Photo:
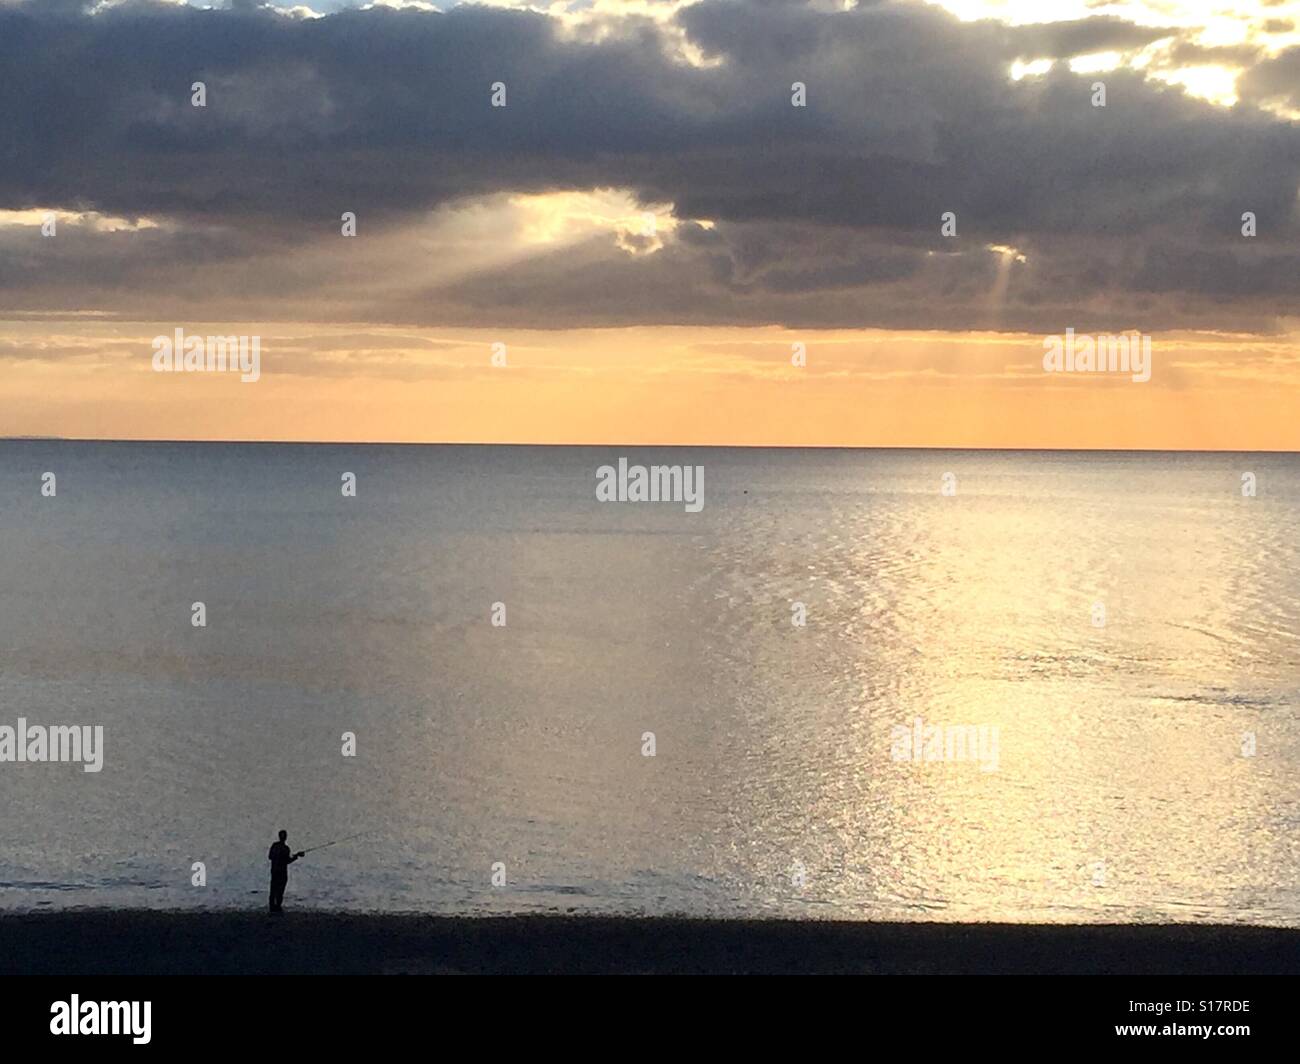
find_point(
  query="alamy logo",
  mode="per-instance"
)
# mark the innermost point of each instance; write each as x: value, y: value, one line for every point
x: 59, y: 742
x: 179, y: 353
x: 660, y: 483
x: 947, y: 742
x: 102, y: 1017
x: 1081, y: 353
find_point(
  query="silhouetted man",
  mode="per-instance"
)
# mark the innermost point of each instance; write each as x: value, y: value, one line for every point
x: 280, y: 859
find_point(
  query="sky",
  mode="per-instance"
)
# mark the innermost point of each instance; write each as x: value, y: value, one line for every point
x: 650, y: 243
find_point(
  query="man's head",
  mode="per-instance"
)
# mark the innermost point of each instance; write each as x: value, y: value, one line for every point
x: 283, y: 834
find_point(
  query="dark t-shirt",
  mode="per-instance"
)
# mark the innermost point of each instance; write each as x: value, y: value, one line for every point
x: 279, y: 856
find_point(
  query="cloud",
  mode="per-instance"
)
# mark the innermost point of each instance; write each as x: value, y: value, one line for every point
x: 1277, y: 78
x: 827, y: 215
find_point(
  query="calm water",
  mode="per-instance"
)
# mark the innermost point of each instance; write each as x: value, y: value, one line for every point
x: 1121, y: 791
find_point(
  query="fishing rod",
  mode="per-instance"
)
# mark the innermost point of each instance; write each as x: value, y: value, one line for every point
x: 335, y: 842
x: 332, y: 842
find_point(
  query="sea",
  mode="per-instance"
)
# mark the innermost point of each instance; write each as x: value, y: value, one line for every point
x: 1025, y: 686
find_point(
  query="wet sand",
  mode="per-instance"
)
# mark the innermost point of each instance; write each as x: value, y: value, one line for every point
x: 103, y: 942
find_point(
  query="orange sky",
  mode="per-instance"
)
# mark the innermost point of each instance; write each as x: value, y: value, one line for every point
x: 649, y: 385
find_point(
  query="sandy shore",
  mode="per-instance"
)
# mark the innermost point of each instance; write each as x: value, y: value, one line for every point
x: 108, y: 942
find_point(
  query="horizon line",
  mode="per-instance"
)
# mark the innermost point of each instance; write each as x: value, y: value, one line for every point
x: 646, y: 446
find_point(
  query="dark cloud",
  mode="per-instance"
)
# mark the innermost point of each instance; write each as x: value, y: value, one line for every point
x: 1234, y: 55
x: 828, y: 214
x: 1274, y: 79
x: 1082, y: 37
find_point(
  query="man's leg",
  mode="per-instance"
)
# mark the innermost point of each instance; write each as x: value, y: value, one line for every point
x: 277, y: 894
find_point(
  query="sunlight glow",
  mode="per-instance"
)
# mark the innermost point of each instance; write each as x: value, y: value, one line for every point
x: 567, y: 217
x: 100, y: 223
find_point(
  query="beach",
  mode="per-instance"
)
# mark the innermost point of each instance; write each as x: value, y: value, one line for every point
x: 105, y: 942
